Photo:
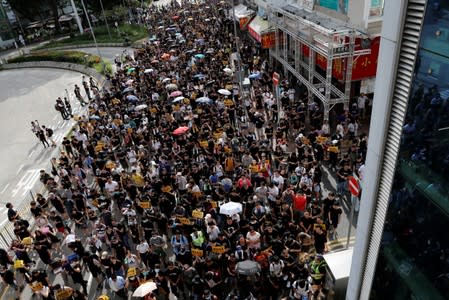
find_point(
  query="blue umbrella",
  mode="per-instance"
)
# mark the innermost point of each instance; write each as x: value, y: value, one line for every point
x: 205, y: 100
x: 127, y: 90
x: 95, y: 117
x: 254, y: 76
x: 132, y: 98
x: 199, y: 76
x: 199, y: 56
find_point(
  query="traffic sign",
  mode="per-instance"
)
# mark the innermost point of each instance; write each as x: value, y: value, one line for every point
x: 275, y: 78
x: 354, y: 187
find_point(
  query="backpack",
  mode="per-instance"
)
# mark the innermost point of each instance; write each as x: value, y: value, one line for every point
x: 49, y: 132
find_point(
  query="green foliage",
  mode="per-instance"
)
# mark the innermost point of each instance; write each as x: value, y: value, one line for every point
x: 133, y: 32
x: 77, y: 57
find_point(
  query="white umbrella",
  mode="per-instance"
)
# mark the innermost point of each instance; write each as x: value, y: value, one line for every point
x: 140, y: 107
x: 145, y: 289
x: 224, y: 92
x: 70, y: 238
x: 148, y: 71
x: 171, y: 86
x: 177, y: 99
x: 228, y: 71
x: 230, y: 208
x: 166, y: 80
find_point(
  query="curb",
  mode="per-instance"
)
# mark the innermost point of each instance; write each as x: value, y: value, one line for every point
x: 101, y: 79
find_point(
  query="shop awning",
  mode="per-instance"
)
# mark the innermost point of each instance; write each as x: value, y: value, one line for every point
x: 257, y: 27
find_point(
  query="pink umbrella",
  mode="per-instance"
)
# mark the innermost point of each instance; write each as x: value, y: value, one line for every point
x: 175, y: 17
x: 176, y: 94
x: 180, y: 130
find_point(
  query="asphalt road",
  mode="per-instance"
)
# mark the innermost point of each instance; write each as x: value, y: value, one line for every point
x: 29, y: 94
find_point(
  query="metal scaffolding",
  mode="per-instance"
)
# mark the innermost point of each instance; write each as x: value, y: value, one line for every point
x: 332, y: 40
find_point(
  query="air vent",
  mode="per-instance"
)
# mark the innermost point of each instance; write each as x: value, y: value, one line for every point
x: 402, y: 86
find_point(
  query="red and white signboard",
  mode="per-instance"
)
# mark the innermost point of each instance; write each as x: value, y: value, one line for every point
x: 275, y: 78
x: 354, y: 187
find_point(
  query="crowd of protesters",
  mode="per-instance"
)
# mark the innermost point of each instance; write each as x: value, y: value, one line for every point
x: 135, y: 193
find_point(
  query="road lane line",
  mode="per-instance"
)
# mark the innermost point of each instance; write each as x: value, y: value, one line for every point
x: 20, y: 169
x: 4, y: 189
x: 32, y: 152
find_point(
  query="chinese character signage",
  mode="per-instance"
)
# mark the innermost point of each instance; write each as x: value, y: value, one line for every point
x: 363, y: 66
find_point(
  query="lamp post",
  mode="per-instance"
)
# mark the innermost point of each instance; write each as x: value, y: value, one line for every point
x: 77, y: 18
x: 237, y: 49
x: 92, y: 31
x: 106, y: 20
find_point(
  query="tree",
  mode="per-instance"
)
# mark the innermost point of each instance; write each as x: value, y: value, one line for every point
x: 33, y: 10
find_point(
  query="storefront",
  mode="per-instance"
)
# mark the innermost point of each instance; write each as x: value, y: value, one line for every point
x: 243, y: 15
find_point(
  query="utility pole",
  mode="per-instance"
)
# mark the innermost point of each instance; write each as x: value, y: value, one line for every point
x: 77, y: 18
x: 106, y: 20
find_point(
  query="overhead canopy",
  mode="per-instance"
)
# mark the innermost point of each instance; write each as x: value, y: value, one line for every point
x: 65, y: 18
x: 37, y: 24
x: 240, y: 11
x: 257, y: 27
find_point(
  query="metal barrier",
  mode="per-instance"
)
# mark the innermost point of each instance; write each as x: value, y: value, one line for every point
x: 7, y: 234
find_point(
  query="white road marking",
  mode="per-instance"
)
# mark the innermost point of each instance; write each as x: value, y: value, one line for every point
x: 58, y: 138
x: 4, y: 189
x: 20, y: 169
x: 32, y: 152
x: 26, y: 183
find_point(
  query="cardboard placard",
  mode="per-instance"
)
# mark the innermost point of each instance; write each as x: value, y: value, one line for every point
x: 36, y: 286
x: 145, y: 204
x: 204, y: 144
x: 214, y: 204
x: 197, y: 252
x: 19, y: 264
x: 64, y: 294
x: 333, y: 149
x: 131, y: 272
x: 321, y: 139
x: 218, y: 249
x: 27, y: 241
x: 197, y: 214
x: 184, y: 221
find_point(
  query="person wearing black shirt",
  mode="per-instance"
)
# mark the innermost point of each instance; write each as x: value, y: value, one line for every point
x: 327, y: 204
x: 320, y: 239
x: 173, y: 274
x: 342, y: 178
x: 35, y: 209
x: 12, y: 214
x: 306, y: 223
x: 230, y: 229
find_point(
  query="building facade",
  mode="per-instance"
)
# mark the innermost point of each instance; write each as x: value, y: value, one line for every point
x: 328, y: 46
x: 402, y: 245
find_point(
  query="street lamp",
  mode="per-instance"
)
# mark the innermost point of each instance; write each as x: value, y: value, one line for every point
x: 92, y: 31
x: 106, y: 20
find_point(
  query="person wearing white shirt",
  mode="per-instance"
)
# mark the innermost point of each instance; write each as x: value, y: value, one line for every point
x: 111, y: 186
x: 361, y: 104
x: 117, y: 284
x: 273, y: 192
x: 278, y: 179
